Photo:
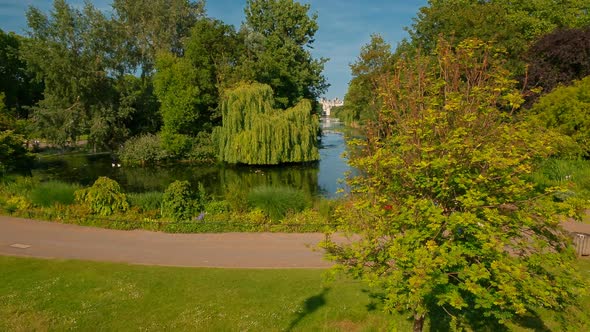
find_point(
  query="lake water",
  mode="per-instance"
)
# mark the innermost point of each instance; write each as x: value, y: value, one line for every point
x: 319, y: 179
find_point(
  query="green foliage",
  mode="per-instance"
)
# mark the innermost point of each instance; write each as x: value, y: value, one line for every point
x: 362, y: 98
x: 49, y: 193
x: 512, y: 25
x: 278, y: 35
x: 17, y: 82
x: 13, y: 154
x: 276, y: 202
x: 147, y: 201
x: 180, y: 203
x: 142, y: 150
x: 103, y: 198
x: 443, y: 215
x: 571, y: 174
x: 149, y: 26
x: 70, y: 50
x: 254, y: 133
x: 567, y: 110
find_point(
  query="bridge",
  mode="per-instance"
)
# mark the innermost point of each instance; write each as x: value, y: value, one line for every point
x: 327, y: 105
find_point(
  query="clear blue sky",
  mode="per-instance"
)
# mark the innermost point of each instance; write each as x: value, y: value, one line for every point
x: 345, y: 25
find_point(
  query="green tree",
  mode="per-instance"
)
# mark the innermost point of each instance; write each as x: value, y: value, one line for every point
x: 13, y: 155
x: 513, y: 25
x: 445, y: 220
x: 278, y: 35
x: 567, y: 110
x: 17, y: 82
x: 71, y: 53
x: 188, y: 86
x: 147, y: 27
x: 375, y: 60
x: 254, y: 133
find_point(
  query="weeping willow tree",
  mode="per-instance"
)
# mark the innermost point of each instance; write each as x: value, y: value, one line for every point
x: 254, y: 133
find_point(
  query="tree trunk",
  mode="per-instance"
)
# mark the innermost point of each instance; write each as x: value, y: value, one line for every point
x: 418, y: 323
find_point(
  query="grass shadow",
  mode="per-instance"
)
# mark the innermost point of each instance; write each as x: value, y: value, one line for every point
x: 310, y: 305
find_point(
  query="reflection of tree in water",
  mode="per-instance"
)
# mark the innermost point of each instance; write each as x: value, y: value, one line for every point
x: 85, y: 170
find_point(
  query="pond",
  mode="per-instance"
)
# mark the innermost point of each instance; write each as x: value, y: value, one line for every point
x: 318, y: 179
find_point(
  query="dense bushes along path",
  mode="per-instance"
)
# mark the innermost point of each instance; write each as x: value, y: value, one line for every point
x: 236, y: 250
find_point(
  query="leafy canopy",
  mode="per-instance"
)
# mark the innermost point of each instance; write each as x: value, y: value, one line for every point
x: 278, y: 35
x: 254, y: 133
x: 567, y: 110
x: 446, y: 221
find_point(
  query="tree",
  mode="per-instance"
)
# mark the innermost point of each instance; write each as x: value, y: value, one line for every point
x: 147, y: 27
x: 559, y: 58
x: 71, y: 53
x: 189, y: 86
x: 374, y: 61
x: 17, y: 82
x: 444, y: 217
x: 512, y: 25
x: 567, y: 110
x: 278, y: 36
x: 13, y: 155
x: 254, y: 133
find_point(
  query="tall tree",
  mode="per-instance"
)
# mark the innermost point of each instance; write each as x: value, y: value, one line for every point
x: 443, y: 216
x: 188, y: 86
x: 17, y: 82
x: 69, y: 50
x: 374, y: 61
x: 149, y: 26
x: 279, y: 35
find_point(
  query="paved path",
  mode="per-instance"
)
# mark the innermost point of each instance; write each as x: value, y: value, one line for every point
x: 227, y: 250
x: 30, y: 238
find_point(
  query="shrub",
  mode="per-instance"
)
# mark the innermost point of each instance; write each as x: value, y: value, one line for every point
x: 180, y: 203
x: 103, y: 198
x: 19, y: 185
x: 142, y: 150
x: 277, y: 201
x: 217, y: 207
x: 48, y: 193
x: 147, y: 201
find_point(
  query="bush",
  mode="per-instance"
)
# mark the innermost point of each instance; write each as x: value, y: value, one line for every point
x: 20, y: 185
x: 180, y: 203
x: 277, y: 201
x: 142, y: 150
x: 48, y: 193
x: 217, y: 207
x: 148, y: 201
x: 572, y: 173
x: 103, y: 198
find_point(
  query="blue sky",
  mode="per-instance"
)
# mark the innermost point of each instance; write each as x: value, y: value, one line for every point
x: 345, y: 26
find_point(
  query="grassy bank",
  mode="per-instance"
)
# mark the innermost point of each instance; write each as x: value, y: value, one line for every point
x: 62, y: 295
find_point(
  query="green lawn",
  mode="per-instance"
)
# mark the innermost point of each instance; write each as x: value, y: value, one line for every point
x: 61, y: 295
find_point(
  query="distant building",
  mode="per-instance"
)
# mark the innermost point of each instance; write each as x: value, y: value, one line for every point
x: 327, y: 105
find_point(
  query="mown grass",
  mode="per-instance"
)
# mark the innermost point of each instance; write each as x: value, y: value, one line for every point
x: 74, y: 295
x: 64, y: 295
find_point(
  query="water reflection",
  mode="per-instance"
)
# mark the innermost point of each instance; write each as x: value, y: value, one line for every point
x: 320, y: 178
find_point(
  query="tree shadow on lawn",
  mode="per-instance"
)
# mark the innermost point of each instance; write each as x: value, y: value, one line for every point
x: 310, y: 305
x: 440, y: 321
